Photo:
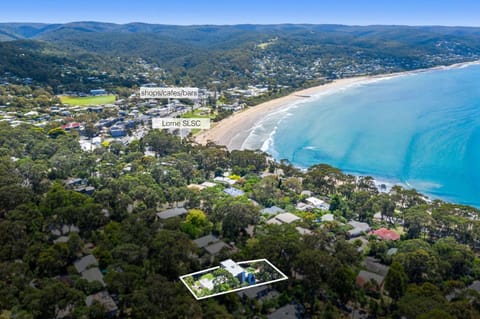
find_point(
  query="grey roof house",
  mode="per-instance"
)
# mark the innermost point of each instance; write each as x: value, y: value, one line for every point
x: 172, y: 212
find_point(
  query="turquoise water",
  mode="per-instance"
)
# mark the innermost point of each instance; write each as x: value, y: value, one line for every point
x: 421, y: 130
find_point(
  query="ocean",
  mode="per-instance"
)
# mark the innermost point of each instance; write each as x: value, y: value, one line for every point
x: 420, y: 130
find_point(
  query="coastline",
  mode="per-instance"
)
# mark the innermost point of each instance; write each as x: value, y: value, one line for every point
x: 234, y: 130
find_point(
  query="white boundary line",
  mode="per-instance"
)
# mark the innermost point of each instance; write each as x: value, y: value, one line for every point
x: 284, y: 277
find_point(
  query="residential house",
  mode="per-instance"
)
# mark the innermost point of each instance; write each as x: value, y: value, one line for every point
x: 104, y: 298
x: 303, y: 231
x: 205, y: 241
x: 260, y: 293
x: 172, y: 212
x: 75, y: 182
x: 88, y: 190
x: 238, y: 272
x: 289, y: 311
x: 358, y: 228
x: 317, y: 203
x: 374, y: 265
x: 234, y: 192
x: 211, y: 244
x: 284, y: 218
x: 87, y: 267
x: 85, y: 262
x: 224, y: 180
x: 385, y: 234
x: 274, y: 210
x: 306, y: 193
x: 327, y: 218
x: 215, y: 248
x: 208, y: 184
x: 304, y: 207
x: 93, y: 274
x: 370, y: 280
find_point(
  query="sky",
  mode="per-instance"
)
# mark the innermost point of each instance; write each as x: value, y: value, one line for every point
x: 190, y: 12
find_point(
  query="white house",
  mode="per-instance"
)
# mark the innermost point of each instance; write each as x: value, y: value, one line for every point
x: 317, y: 203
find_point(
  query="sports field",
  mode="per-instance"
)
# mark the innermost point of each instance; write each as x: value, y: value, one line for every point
x: 88, y: 100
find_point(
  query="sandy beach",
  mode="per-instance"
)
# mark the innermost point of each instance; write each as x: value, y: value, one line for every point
x: 232, y: 131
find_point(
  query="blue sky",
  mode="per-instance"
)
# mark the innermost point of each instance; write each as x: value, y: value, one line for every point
x: 186, y: 12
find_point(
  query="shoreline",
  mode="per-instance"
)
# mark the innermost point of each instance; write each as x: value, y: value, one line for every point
x: 234, y: 130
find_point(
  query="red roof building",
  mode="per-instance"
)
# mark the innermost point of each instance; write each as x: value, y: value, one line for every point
x: 386, y: 234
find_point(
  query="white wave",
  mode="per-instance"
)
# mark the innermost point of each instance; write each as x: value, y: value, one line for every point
x: 268, y: 145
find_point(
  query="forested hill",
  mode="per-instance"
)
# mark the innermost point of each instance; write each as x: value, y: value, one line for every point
x: 293, y: 55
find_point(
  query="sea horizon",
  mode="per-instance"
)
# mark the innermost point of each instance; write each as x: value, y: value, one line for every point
x: 417, y: 129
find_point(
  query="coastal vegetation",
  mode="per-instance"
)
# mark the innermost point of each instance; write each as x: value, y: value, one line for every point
x: 141, y: 256
x: 107, y: 230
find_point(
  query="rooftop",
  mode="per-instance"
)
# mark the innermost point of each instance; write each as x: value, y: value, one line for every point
x: 208, y: 184
x: 205, y: 241
x: 272, y: 210
x: 358, y: 228
x: 234, y: 192
x: 286, y: 218
x: 85, y: 262
x: 254, y: 292
x: 327, y: 218
x: 173, y: 212
x: 207, y: 283
x: 366, y: 276
x: 224, y: 180
x: 475, y: 286
x: 104, y: 298
x: 215, y: 248
x: 303, y: 231
x: 386, y: 234
x: 232, y: 267
x: 290, y: 311
x: 374, y: 265
x: 93, y: 274
x: 315, y: 201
